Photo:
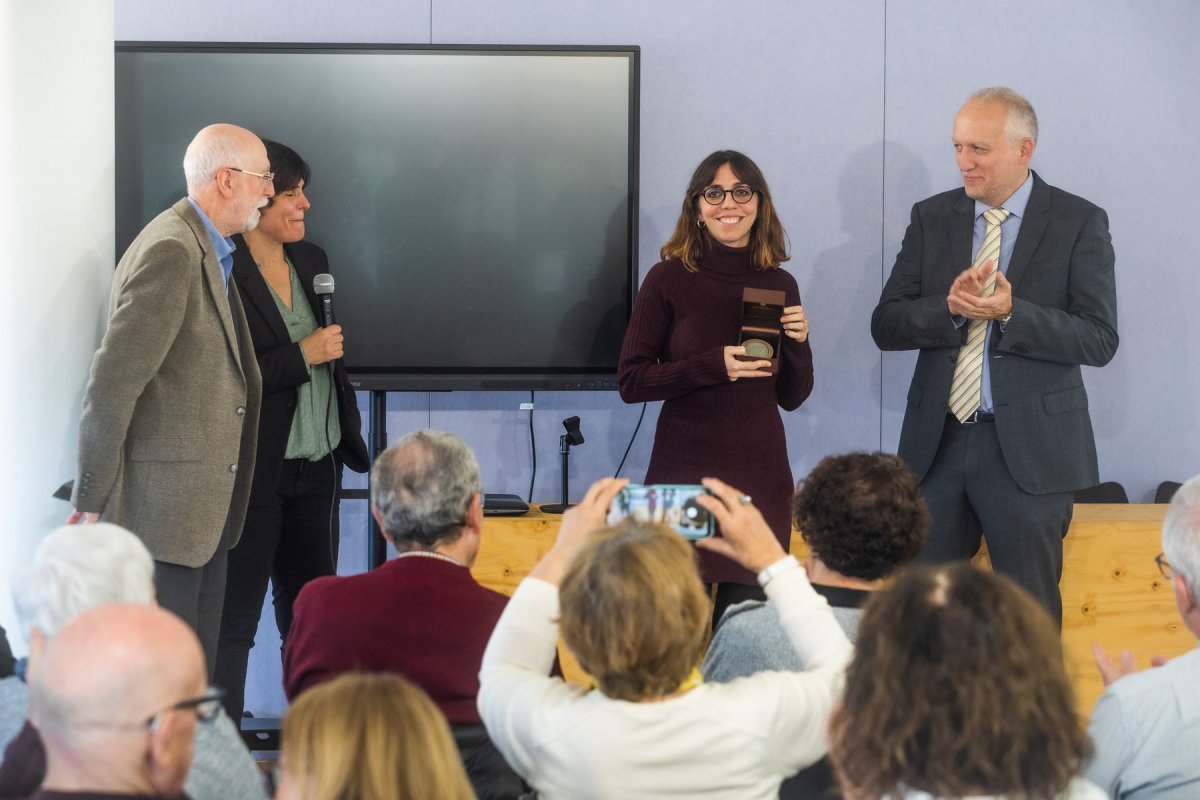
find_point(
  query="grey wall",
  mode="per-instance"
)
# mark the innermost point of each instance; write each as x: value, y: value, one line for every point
x: 847, y: 106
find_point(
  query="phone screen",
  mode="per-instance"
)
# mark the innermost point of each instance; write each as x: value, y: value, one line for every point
x: 673, y: 505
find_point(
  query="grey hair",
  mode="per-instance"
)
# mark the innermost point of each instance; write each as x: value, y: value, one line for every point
x: 1021, y: 122
x: 207, y: 153
x: 1181, y: 534
x: 78, y: 567
x: 422, y: 487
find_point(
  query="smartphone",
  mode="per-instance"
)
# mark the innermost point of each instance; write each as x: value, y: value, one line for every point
x: 673, y: 505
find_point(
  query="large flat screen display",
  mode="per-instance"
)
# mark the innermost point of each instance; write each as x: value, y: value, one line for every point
x: 478, y: 205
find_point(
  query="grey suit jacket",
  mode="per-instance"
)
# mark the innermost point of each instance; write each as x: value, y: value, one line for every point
x: 170, y: 414
x: 1064, y: 315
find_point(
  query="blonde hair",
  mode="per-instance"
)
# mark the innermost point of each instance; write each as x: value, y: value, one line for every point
x: 634, y: 611
x: 372, y: 737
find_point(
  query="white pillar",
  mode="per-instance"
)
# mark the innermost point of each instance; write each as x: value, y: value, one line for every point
x: 56, y: 254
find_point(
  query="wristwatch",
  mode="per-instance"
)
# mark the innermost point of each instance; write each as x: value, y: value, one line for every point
x: 1004, y: 321
x: 771, y: 571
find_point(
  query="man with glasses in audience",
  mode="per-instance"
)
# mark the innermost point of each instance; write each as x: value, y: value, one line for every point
x: 170, y: 414
x: 1146, y: 724
x: 75, y: 569
x: 116, y: 697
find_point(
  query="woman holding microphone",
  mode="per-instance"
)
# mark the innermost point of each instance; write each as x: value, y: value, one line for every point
x: 308, y: 430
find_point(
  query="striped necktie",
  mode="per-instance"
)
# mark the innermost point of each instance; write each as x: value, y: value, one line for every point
x: 968, y: 372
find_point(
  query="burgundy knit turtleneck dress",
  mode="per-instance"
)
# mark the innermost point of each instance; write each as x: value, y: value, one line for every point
x: 710, y: 426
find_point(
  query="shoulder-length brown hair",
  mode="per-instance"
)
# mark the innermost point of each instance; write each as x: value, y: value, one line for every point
x: 633, y: 609
x: 767, y: 238
x: 957, y: 688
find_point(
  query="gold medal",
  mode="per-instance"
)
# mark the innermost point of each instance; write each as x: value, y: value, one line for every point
x: 758, y: 348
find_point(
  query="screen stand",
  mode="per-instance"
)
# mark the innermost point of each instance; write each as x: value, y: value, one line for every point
x: 376, y: 444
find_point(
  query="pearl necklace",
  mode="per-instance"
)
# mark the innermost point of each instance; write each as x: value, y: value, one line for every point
x: 430, y: 554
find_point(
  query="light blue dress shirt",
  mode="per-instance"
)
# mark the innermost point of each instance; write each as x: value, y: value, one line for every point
x: 223, y: 246
x: 1015, y: 205
x: 1145, y: 727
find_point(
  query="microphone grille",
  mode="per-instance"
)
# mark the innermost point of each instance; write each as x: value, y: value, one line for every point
x: 323, y: 283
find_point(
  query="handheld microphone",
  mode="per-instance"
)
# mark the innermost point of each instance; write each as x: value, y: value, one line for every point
x: 323, y: 286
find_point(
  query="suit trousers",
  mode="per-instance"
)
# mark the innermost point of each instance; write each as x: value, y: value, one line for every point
x: 971, y: 493
x: 288, y: 541
x: 196, y: 595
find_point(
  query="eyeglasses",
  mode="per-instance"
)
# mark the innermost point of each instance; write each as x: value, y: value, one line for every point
x: 207, y: 707
x: 715, y: 195
x: 1164, y: 566
x: 269, y: 177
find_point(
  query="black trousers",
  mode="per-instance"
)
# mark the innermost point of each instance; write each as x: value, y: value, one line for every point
x: 288, y: 541
x: 195, y: 595
x: 970, y: 492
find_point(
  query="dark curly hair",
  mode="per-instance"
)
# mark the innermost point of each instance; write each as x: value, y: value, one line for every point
x: 861, y: 514
x: 957, y: 688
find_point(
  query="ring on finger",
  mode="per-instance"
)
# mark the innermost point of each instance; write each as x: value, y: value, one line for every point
x: 745, y: 500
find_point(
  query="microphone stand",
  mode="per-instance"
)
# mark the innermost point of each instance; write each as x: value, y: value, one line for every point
x: 564, y: 448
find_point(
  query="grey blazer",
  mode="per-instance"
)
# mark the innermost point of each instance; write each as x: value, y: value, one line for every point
x: 170, y: 414
x: 1064, y: 315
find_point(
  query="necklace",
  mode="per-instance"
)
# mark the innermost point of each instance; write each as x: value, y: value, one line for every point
x: 430, y: 554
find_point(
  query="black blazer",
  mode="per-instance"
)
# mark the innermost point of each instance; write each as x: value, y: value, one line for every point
x: 1064, y: 315
x: 283, y: 367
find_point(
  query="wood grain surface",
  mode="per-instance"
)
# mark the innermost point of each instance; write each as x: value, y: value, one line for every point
x: 1112, y: 591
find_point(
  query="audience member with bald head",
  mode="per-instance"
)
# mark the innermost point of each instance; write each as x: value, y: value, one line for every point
x: 75, y: 569
x: 170, y: 414
x: 115, y: 696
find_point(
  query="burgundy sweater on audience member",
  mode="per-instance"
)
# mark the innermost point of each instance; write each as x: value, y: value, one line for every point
x: 423, y: 618
x: 710, y: 426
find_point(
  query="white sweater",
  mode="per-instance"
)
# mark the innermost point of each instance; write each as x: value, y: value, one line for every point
x: 734, y: 740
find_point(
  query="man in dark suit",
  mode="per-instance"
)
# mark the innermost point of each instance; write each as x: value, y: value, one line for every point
x: 170, y: 413
x: 997, y: 426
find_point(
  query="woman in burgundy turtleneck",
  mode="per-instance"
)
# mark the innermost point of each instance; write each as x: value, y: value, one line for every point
x: 720, y: 416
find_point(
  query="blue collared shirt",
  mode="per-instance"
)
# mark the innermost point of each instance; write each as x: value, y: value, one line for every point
x: 223, y: 246
x: 1015, y: 205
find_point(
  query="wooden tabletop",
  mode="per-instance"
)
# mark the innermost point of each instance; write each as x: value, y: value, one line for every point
x: 1112, y: 591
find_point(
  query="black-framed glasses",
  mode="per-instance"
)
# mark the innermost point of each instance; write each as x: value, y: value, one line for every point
x: 207, y: 707
x: 742, y: 194
x: 269, y: 177
x: 1164, y: 566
